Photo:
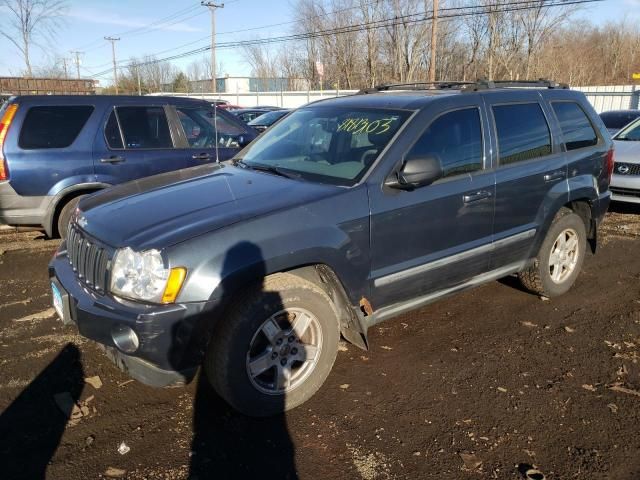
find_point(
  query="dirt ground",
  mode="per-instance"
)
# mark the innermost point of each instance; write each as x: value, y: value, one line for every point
x: 482, y: 385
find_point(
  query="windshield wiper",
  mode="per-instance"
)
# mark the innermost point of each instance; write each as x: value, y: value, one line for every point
x: 265, y: 168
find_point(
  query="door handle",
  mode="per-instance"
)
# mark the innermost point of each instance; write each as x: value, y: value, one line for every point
x: 113, y: 159
x: 477, y: 196
x: 550, y: 177
x: 201, y: 156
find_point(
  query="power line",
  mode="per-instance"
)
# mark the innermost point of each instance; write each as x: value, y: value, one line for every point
x: 383, y: 23
x: 156, y: 23
x: 244, y: 30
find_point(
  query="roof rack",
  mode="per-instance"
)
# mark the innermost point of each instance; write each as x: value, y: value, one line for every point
x: 413, y: 86
x: 484, y: 84
x: 481, y: 84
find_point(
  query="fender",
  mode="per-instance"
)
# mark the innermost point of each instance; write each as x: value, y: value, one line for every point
x: 556, y: 198
x: 578, y: 188
x: 61, y: 194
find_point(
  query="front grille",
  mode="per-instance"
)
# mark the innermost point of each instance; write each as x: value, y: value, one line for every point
x: 88, y: 260
x: 627, y: 192
x: 633, y: 168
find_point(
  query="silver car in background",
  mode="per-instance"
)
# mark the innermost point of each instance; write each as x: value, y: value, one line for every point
x: 625, y: 181
x: 615, y: 120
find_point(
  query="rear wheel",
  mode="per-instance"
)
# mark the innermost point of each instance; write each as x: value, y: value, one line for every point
x: 65, y: 215
x: 275, y: 348
x: 560, y: 258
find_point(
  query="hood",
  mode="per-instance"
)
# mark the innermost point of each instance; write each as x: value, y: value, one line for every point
x: 627, y: 151
x: 159, y: 211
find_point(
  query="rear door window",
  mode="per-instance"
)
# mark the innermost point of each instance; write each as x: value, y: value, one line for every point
x: 144, y: 127
x: 112, y: 132
x: 53, y: 126
x: 456, y: 139
x: 204, y: 128
x: 576, y: 127
x: 523, y: 132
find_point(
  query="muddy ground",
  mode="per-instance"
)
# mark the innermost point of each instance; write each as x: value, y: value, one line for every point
x: 477, y: 386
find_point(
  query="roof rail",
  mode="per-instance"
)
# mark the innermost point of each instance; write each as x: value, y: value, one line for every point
x: 481, y: 84
x: 413, y: 86
x: 484, y: 84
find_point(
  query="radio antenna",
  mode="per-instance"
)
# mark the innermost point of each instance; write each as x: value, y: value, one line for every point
x: 215, y: 127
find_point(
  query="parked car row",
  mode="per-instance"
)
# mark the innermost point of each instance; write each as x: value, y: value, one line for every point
x: 343, y: 214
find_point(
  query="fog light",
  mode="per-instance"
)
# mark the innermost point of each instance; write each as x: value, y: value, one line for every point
x: 125, y: 338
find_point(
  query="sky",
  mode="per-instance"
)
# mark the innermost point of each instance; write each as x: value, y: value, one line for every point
x: 186, y: 24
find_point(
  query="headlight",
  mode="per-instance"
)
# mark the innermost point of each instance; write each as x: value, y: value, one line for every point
x: 143, y: 276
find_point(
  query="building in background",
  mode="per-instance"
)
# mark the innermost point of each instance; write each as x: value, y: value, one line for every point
x: 234, y: 85
x: 46, y: 86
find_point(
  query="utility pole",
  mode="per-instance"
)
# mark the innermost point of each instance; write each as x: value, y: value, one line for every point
x: 138, y: 75
x: 434, y: 42
x: 64, y: 65
x: 77, y: 61
x: 113, y: 41
x: 212, y: 8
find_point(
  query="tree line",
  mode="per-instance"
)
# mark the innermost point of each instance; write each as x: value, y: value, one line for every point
x: 350, y: 44
x: 504, y: 43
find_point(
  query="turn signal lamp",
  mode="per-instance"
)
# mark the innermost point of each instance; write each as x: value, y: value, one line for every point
x: 5, y: 122
x: 174, y: 284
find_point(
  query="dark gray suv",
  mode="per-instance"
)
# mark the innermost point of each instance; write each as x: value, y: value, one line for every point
x: 346, y: 213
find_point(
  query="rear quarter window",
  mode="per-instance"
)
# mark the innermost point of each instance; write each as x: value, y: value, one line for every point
x: 575, y: 125
x: 523, y: 132
x: 53, y: 126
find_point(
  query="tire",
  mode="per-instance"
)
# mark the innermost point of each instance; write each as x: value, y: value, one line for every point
x: 65, y: 215
x: 241, y: 339
x: 544, y: 277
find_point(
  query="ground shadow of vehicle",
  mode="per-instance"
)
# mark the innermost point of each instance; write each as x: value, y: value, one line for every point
x: 32, y: 426
x: 625, y: 208
x: 227, y: 444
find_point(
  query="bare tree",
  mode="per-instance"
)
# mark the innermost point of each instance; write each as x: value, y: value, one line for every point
x: 261, y: 60
x: 26, y: 20
x: 54, y: 67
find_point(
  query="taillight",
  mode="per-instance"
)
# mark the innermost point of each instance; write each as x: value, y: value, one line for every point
x: 609, y: 164
x: 5, y: 123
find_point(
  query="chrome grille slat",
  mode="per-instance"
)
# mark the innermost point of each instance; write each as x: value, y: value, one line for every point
x: 88, y: 260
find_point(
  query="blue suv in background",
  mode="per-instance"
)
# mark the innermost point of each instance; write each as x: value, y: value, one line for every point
x: 56, y: 149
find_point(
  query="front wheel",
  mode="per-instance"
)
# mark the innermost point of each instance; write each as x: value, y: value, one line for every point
x: 560, y: 258
x: 275, y: 347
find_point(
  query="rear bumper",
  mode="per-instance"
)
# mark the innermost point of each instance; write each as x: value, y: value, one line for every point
x: 171, y: 339
x: 16, y: 209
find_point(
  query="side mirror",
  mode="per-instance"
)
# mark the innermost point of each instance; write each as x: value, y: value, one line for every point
x: 416, y: 172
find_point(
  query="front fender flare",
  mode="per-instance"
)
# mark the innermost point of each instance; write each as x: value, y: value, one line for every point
x: 58, y: 197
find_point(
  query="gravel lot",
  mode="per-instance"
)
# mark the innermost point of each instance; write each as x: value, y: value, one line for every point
x: 481, y: 385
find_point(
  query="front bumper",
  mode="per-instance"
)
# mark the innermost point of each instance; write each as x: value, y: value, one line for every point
x: 172, y: 337
x: 625, y: 188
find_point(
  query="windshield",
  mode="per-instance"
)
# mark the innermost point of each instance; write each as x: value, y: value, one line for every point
x: 631, y: 132
x: 268, y: 118
x: 325, y: 144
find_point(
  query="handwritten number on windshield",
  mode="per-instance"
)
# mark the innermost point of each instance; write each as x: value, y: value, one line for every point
x: 364, y: 125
